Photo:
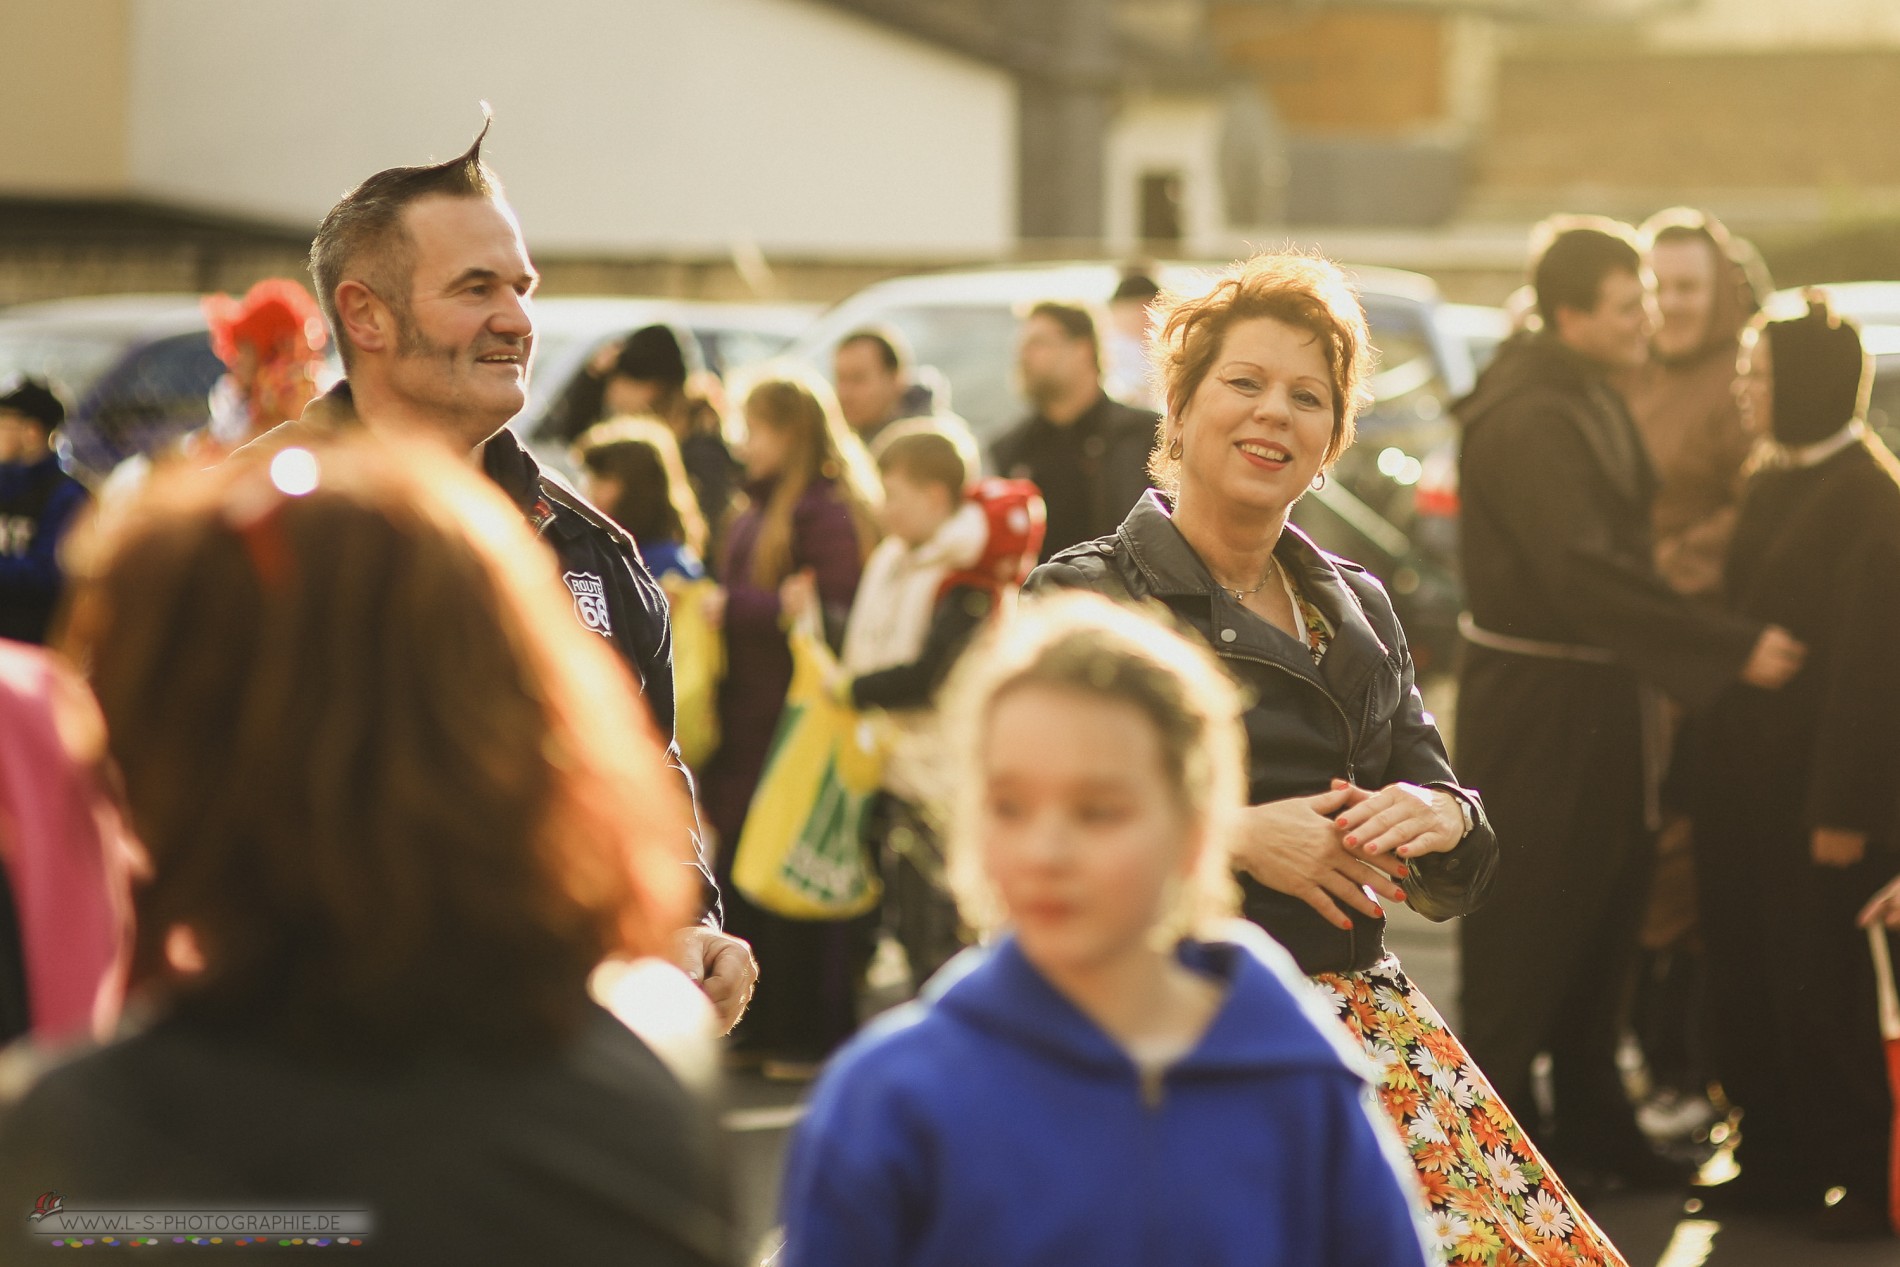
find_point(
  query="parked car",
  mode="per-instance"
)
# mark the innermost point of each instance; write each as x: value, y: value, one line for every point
x: 963, y: 326
x: 136, y: 370
x: 1480, y: 327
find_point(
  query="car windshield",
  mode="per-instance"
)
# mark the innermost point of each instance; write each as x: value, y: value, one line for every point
x: 72, y: 361
x: 150, y: 397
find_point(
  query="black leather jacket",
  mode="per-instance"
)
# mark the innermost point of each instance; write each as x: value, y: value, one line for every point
x: 1357, y: 715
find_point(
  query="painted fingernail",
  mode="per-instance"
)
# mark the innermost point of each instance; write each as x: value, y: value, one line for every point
x: 1404, y: 872
x: 1352, y: 840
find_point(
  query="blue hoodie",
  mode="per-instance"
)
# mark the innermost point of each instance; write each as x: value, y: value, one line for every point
x: 994, y: 1124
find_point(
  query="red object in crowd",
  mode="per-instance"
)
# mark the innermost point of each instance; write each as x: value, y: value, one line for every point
x: 1436, y: 500
x: 1018, y: 520
x: 277, y: 317
x: 1890, y: 1032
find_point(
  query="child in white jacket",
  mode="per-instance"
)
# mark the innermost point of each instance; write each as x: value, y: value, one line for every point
x: 909, y: 623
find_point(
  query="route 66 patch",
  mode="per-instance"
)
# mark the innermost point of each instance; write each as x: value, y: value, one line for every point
x: 590, y: 601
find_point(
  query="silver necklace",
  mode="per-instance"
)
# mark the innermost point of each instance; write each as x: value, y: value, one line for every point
x: 1241, y: 596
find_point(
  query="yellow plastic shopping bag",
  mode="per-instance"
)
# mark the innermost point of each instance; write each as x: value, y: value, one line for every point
x: 699, y: 664
x: 800, y: 853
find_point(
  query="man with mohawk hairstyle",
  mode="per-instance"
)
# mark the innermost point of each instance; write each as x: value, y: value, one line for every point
x: 426, y: 284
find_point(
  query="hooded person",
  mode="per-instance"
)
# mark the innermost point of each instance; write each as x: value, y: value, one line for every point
x: 1683, y: 399
x: 1795, y: 816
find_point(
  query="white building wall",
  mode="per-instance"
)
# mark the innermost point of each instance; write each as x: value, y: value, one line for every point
x: 647, y: 126
x: 1160, y: 134
x: 1776, y: 25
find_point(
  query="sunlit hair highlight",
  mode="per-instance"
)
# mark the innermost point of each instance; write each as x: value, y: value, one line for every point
x: 1304, y: 291
x: 1084, y: 644
x: 396, y: 792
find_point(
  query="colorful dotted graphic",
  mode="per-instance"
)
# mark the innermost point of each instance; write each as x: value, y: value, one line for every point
x: 322, y: 1242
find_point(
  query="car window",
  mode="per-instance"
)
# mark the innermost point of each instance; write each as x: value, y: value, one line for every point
x: 726, y: 350
x: 74, y: 362
x: 1482, y: 347
x: 150, y: 398
x: 1404, y: 361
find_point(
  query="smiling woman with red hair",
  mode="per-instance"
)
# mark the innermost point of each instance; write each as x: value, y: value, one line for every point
x: 1351, y: 794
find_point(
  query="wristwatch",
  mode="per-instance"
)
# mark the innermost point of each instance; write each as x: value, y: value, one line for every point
x: 1464, y: 808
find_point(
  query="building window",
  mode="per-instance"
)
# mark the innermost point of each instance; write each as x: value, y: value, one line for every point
x: 1160, y: 202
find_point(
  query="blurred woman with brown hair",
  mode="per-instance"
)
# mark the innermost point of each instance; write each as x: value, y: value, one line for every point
x: 631, y: 469
x: 397, y: 807
x: 801, y: 541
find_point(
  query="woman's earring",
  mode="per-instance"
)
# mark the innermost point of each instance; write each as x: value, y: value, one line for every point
x: 1319, y: 481
x: 1174, y: 449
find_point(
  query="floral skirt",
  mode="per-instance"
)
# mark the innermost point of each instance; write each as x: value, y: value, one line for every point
x: 1492, y: 1198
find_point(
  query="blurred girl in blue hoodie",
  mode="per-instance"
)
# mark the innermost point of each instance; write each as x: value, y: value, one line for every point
x: 1098, y: 1085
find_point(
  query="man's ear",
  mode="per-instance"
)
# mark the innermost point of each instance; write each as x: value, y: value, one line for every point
x: 365, y: 320
x: 1566, y: 319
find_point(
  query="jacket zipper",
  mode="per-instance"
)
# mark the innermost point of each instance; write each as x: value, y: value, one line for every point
x: 1153, y: 1080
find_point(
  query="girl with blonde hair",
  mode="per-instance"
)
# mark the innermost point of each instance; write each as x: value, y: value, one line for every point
x: 1168, y: 1063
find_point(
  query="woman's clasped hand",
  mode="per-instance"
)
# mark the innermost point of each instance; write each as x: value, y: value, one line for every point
x: 1346, y: 847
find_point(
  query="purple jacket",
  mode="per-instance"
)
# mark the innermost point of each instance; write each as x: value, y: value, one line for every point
x: 758, y: 657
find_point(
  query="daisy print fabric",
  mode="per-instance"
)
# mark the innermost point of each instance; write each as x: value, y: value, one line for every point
x: 1492, y: 1200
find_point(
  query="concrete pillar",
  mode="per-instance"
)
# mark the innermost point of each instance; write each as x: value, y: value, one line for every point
x: 1068, y: 82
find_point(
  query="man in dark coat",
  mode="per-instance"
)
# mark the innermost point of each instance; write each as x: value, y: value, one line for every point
x: 1793, y: 791
x: 424, y: 279
x: 1087, y: 452
x: 1571, y: 632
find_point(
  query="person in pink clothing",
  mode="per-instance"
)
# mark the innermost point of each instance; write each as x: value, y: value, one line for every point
x: 64, y: 857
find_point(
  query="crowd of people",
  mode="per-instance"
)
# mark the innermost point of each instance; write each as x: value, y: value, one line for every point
x: 370, y: 754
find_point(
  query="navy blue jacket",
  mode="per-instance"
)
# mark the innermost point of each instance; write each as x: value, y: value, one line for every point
x: 38, y: 503
x: 994, y: 1123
